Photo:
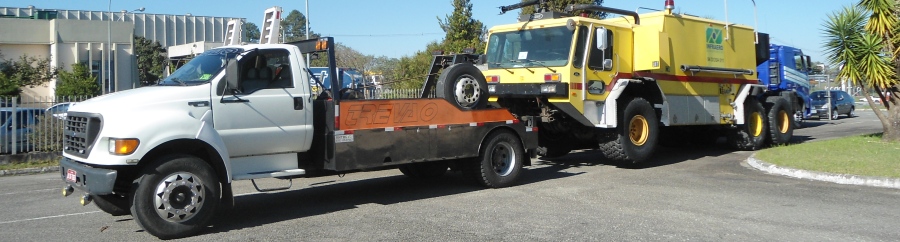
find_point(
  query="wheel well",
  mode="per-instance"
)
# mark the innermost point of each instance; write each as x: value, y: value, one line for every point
x: 647, y: 90
x: 192, y: 147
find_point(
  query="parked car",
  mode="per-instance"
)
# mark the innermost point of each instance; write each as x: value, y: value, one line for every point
x: 841, y: 103
x: 59, y: 110
x: 18, y: 130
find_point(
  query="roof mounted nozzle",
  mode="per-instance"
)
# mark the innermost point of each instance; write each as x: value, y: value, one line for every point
x: 670, y: 5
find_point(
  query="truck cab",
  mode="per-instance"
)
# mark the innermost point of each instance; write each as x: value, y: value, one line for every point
x: 786, y: 73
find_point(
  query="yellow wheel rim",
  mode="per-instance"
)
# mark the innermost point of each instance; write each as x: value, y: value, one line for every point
x: 784, y: 122
x: 638, y: 130
x: 756, y: 124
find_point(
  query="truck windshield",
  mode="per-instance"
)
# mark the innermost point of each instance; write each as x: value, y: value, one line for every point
x: 533, y: 47
x: 201, y: 68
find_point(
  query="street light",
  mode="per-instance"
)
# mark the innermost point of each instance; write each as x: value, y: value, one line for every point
x: 109, y: 50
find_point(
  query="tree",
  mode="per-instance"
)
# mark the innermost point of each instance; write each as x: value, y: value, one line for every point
x: 461, y: 30
x: 294, y: 27
x: 862, y: 48
x: 411, y: 70
x: 251, y: 32
x: 25, y: 71
x: 150, y: 60
x: 560, y: 6
x: 78, y: 82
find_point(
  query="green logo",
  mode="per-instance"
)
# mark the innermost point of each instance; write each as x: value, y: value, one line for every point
x: 713, y: 36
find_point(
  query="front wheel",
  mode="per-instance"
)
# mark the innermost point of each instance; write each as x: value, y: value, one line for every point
x: 636, y: 136
x: 834, y: 114
x: 500, y: 160
x: 175, y: 197
x: 781, y: 129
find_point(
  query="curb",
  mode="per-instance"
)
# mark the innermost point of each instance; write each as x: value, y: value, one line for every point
x: 823, y: 176
x: 29, y: 171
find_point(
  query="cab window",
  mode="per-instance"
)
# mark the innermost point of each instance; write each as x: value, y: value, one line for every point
x: 270, y: 69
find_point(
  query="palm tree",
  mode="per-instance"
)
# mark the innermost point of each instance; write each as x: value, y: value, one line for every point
x: 863, y: 48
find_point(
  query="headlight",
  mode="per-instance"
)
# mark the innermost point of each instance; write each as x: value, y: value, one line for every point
x: 118, y: 146
x: 548, y: 88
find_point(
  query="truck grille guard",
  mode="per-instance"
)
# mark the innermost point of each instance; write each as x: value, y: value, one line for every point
x: 80, y: 133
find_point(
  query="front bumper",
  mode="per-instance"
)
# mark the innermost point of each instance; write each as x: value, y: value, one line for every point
x: 528, y: 89
x: 95, y: 181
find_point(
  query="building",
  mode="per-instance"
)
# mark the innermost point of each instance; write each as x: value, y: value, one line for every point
x: 98, y: 38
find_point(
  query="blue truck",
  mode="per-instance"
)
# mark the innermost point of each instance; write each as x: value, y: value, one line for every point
x: 786, y: 74
x: 350, y: 78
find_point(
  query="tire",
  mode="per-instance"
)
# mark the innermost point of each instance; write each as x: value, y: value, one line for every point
x: 464, y: 86
x: 780, y: 121
x: 425, y: 170
x: 834, y: 114
x: 112, y: 204
x: 499, y: 162
x: 636, y: 135
x: 798, y: 119
x: 852, y: 112
x: 752, y: 134
x: 188, y: 180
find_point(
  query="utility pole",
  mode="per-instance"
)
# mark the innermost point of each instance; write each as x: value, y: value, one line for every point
x: 307, y: 30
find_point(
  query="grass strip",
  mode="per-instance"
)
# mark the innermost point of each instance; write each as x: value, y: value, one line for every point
x: 864, y: 155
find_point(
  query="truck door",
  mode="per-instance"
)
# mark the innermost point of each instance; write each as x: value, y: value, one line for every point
x: 269, y: 112
x: 598, y: 71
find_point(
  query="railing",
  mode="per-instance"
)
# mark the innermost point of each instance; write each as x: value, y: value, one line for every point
x: 389, y: 93
x: 33, y: 124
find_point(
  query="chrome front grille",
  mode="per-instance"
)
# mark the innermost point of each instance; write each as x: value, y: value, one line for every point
x: 80, y: 133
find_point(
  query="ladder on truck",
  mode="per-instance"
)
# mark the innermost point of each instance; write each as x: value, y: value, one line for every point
x: 271, y: 26
x: 234, y: 32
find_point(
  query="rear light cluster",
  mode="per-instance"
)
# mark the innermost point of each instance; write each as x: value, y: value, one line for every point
x: 492, y: 79
x: 551, y: 77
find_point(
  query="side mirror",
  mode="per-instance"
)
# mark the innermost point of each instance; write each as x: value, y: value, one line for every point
x: 601, y: 38
x: 232, y: 75
x: 607, y: 64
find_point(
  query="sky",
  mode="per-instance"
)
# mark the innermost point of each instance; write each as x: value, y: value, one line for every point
x: 396, y: 28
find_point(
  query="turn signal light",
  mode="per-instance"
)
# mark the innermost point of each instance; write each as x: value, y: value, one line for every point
x: 551, y: 77
x: 123, y: 146
x: 492, y: 78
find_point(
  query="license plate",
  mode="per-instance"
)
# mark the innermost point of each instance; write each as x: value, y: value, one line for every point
x: 71, y: 175
x: 343, y: 138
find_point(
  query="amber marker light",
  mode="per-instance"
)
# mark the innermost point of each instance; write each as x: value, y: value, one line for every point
x: 119, y: 146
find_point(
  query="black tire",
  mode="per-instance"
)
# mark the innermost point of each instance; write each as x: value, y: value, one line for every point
x: 464, y: 86
x: 780, y: 120
x: 112, y: 204
x: 852, y: 112
x: 752, y: 134
x: 425, y: 170
x: 188, y: 180
x: 834, y: 114
x: 636, y: 135
x: 499, y: 162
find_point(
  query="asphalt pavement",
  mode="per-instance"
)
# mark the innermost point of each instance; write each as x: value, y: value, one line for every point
x: 693, y: 193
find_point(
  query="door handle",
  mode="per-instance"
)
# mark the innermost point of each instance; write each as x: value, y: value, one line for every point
x: 235, y: 101
x: 298, y: 103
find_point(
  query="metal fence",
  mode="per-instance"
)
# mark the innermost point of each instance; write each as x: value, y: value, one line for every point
x: 389, y: 93
x: 33, y: 124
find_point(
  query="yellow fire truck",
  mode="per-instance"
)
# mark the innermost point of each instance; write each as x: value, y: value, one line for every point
x: 624, y: 84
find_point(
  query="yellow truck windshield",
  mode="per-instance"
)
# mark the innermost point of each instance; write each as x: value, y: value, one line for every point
x: 533, y: 47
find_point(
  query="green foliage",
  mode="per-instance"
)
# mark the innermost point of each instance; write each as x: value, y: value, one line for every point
x: 47, y: 134
x: 461, y: 30
x: 294, y: 27
x: 26, y: 71
x: 251, y: 32
x: 560, y: 6
x: 78, y: 82
x: 412, y: 70
x: 864, y: 155
x: 150, y: 60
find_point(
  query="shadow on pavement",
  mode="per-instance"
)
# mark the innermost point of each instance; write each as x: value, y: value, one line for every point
x: 333, y: 196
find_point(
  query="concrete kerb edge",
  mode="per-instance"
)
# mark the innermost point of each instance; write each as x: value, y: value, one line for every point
x: 29, y: 171
x: 823, y: 176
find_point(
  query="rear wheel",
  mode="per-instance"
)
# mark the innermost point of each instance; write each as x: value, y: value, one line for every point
x: 636, y: 136
x: 781, y: 128
x: 852, y: 112
x: 751, y: 135
x: 463, y: 85
x: 176, y: 197
x: 499, y: 161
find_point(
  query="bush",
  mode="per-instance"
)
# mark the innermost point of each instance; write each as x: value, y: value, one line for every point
x: 47, y: 134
